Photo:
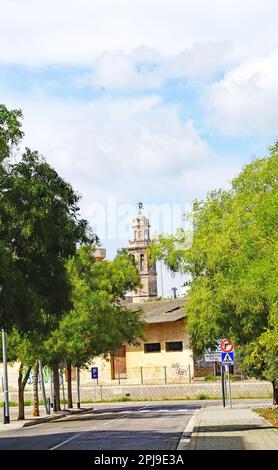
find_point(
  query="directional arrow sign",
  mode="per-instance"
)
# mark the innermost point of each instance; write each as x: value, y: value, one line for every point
x: 228, y: 358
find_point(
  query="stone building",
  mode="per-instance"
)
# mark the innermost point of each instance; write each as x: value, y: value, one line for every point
x: 163, y: 357
x: 138, y: 246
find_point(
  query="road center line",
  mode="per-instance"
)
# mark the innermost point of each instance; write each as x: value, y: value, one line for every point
x: 83, y: 432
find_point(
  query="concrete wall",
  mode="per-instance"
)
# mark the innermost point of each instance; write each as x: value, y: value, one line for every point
x: 247, y: 388
x: 146, y: 368
x: 150, y: 368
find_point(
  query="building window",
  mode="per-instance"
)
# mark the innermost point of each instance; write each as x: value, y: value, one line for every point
x: 152, y: 347
x: 141, y: 262
x: 174, y: 346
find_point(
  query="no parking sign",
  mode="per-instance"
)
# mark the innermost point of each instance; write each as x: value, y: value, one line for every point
x: 226, y: 346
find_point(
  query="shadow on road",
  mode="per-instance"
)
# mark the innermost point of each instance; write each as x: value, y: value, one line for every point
x: 95, y: 440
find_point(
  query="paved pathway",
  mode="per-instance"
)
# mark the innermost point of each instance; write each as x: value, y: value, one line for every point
x: 218, y: 428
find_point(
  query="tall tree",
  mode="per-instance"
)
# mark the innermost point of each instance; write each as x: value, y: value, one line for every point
x: 234, y: 266
x: 39, y: 229
x: 98, y: 323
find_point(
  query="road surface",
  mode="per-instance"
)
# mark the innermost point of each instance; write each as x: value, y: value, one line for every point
x: 136, y: 426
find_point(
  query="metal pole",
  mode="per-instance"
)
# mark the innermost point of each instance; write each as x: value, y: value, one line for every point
x: 141, y: 375
x: 165, y: 375
x: 63, y: 389
x: 225, y: 381
x: 77, y: 388
x: 229, y: 381
x: 189, y: 373
x: 43, y: 388
x: 51, y: 390
x: 223, y: 386
x: 6, y: 386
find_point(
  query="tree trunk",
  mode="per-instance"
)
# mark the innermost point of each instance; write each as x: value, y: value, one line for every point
x: 56, y: 386
x: 21, y: 386
x: 36, y: 410
x: 69, y: 384
x: 275, y: 393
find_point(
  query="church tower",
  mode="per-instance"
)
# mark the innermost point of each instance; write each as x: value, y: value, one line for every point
x: 138, y: 248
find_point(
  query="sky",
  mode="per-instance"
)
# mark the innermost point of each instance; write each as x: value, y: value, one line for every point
x: 159, y: 101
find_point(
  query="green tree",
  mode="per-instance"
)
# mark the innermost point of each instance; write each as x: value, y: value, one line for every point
x: 233, y: 266
x: 10, y: 131
x: 39, y: 229
x: 21, y: 348
x: 98, y: 323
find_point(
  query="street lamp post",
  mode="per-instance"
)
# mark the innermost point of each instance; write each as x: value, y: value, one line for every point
x: 5, y: 378
x: 6, y: 388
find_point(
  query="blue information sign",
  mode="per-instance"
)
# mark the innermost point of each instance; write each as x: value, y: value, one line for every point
x: 94, y: 372
x: 227, y: 358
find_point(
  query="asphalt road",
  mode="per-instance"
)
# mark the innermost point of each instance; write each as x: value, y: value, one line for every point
x: 136, y: 426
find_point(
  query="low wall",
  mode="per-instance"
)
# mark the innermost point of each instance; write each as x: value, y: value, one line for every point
x: 241, y: 389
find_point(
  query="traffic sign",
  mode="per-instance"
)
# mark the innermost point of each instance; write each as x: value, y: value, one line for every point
x: 227, y: 358
x: 226, y: 346
x: 213, y: 356
x: 94, y: 372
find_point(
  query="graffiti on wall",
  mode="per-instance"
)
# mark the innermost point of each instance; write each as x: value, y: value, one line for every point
x: 179, y: 369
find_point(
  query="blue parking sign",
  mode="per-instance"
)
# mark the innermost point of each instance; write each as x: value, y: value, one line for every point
x: 94, y: 372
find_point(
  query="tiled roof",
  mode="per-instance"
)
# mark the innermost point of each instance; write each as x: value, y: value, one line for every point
x: 160, y: 311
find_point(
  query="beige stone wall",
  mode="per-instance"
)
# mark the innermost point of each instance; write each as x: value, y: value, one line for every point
x: 156, y: 367
x: 142, y: 368
x: 244, y: 389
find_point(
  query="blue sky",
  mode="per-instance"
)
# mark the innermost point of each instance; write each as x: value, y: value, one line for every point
x: 136, y: 100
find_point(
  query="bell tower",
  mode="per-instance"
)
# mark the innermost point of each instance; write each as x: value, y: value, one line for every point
x: 138, y: 248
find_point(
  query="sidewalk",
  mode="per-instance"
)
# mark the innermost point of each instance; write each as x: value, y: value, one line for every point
x: 238, y: 428
x: 31, y: 420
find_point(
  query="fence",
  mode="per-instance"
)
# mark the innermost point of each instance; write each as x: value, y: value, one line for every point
x: 174, y: 374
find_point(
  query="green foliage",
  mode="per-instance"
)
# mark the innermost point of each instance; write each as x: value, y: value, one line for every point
x: 39, y: 230
x: 98, y: 323
x: 233, y: 262
x: 202, y: 396
x: 10, y: 130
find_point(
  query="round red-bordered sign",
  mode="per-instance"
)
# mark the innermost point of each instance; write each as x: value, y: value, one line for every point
x: 226, y: 346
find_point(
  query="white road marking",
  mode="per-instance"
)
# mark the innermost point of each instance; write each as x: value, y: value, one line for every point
x: 185, y: 411
x: 186, y: 435
x: 83, y: 432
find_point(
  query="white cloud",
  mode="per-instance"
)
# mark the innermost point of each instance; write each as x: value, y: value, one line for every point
x: 146, y: 69
x: 246, y: 99
x: 126, y: 147
x: 77, y: 31
x: 112, y: 140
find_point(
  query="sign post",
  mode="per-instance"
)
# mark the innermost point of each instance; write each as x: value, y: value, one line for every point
x: 5, y: 381
x: 223, y: 385
x: 227, y: 354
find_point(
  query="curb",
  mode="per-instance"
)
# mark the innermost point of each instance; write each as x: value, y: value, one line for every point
x: 195, y: 432
x: 49, y: 418
x: 188, y: 432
